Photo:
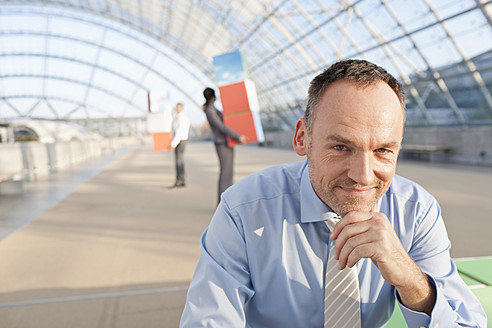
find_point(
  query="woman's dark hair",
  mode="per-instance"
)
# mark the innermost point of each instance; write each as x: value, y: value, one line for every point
x: 209, y: 95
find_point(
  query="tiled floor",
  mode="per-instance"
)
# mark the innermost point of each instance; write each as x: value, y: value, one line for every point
x: 39, y: 195
x: 110, y: 245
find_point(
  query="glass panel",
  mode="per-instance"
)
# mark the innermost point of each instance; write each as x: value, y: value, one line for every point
x: 469, y: 28
x: 285, y: 44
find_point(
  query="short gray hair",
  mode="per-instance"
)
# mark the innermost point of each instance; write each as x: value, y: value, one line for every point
x: 361, y: 72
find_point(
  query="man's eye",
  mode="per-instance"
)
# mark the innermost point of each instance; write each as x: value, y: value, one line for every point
x: 339, y: 147
x: 382, y: 150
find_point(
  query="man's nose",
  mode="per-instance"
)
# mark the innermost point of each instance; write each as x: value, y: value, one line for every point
x: 361, y: 168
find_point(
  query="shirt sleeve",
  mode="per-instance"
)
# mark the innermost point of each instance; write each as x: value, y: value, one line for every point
x: 456, y: 305
x: 217, y: 124
x: 221, y: 284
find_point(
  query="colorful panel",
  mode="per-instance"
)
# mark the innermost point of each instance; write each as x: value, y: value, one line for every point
x: 242, y: 123
x: 162, y: 141
x: 234, y: 98
x: 230, y: 68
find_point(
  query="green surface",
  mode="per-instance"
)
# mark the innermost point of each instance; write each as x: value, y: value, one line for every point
x: 470, y: 281
x: 476, y: 272
x: 485, y: 297
x: 478, y: 268
x: 397, y: 320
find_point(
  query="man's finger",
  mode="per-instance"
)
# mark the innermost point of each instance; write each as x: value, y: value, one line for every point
x: 349, y: 233
x: 354, y: 249
x: 349, y: 218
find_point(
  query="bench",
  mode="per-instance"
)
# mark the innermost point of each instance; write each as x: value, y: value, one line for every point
x: 431, y: 153
x: 11, y: 184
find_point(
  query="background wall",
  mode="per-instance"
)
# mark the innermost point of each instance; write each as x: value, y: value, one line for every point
x: 466, y: 144
x: 25, y: 161
x: 460, y: 144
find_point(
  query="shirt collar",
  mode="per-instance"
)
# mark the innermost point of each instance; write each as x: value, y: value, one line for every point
x: 312, y: 208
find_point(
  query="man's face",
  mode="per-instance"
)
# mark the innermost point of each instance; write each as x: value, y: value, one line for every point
x: 179, y: 108
x: 353, y: 146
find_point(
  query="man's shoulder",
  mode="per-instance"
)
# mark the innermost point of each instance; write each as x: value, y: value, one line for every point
x: 409, y: 190
x: 268, y: 183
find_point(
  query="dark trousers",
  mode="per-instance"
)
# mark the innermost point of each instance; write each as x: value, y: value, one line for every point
x: 179, y: 154
x: 226, y: 160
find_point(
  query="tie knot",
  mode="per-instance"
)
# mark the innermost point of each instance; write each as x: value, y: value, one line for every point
x: 330, y: 222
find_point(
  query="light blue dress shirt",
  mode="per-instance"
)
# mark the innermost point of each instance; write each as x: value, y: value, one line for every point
x: 263, y: 258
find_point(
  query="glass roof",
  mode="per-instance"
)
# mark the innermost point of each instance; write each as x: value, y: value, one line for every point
x: 85, y: 59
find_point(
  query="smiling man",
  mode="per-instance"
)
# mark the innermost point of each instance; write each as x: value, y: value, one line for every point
x: 264, y: 256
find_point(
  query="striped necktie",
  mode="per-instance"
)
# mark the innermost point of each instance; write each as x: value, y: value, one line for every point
x: 342, y: 300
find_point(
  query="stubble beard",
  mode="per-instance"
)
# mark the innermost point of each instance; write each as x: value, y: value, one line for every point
x: 327, y: 192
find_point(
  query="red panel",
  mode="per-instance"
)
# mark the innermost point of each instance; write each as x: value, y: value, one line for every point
x: 243, y: 124
x: 162, y: 141
x: 234, y: 98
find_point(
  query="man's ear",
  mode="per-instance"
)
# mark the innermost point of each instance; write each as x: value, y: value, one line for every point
x: 300, y: 138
